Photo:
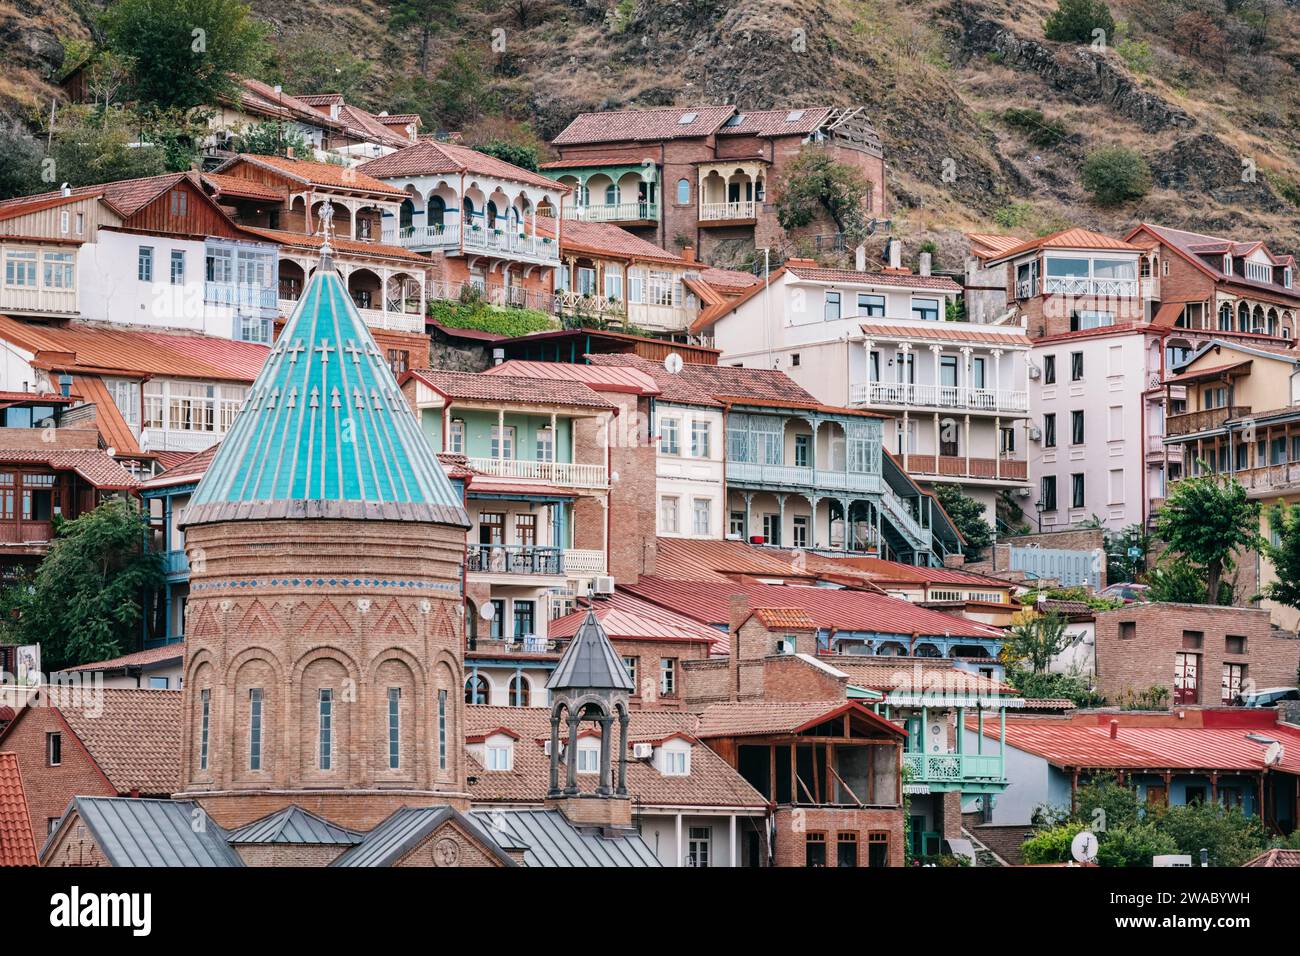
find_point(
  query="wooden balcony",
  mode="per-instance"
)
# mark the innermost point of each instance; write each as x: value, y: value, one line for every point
x: 1189, y: 423
x: 948, y: 466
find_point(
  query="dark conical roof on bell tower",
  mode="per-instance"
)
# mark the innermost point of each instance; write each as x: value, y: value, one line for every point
x: 590, y: 662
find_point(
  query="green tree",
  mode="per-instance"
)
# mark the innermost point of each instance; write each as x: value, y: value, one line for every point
x: 84, y: 601
x: 525, y: 157
x: 272, y: 139
x: 185, y: 52
x: 20, y: 162
x: 968, y: 515
x: 1073, y: 21
x: 1180, y: 582
x: 1051, y: 845
x: 1284, y: 521
x: 420, y: 17
x: 1206, y: 519
x: 1231, y: 837
x: 1133, y: 845
x: 101, y: 146
x: 1034, y: 639
x: 316, y: 62
x: 815, y: 184
x: 1115, y: 174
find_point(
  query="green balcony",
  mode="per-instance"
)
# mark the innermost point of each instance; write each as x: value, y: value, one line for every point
x: 969, y: 773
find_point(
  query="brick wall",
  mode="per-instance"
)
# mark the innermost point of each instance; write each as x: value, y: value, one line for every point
x: 631, y: 502
x: 448, y: 846
x: 649, y: 655
x: 288, y: 854
x: 75, y: 847
x: 1159, y: 631
x: 793, y: 824
x: 50, y: 789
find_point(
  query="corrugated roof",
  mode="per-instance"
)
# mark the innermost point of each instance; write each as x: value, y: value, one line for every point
x: 589, y: 662
x: 626, y: 617
x: 600, y: 378
x: 135, y: 832
x: 552, y: 841
x: 287, y: 453
x: 112, y: 426
x: 405, y: 829
x: 903, y: 279
x: 842, y: 609
x: 293, y: 824
x: 154, y: 655
x: 326, y: 175
x: 17, y: 846
x: 96, y: 348
x: 895, y: 572
x: 950, y: 331
x: 1073, y: 238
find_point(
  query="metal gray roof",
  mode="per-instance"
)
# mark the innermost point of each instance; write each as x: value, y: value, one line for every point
x: 405, y: 829
x: 590, y: 662
x: 293, y: 824
x: 133, y: 832
x: 553, y: 841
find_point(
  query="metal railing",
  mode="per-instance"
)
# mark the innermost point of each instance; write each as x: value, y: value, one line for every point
x: 523, y: 559
x: 569, y: 474
x: 940, y: 396
x: 954, y: 767
x: 240, y: 295
x: 435, y: 236
x: 1070, y: 285
x: 582, y: 561
x: 613, y: 212
x: 901, y: 515
x: 175, y: 563
x: 755, y: 473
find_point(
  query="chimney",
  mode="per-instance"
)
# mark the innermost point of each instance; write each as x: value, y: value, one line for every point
x: 65, y: 384
x: 688, y: 252
x: 739, y: 611
x: 860, y: 258
x: 895, y: 254
x: 498, y: 356
x: 1114, y: 729
x: 924, y: 264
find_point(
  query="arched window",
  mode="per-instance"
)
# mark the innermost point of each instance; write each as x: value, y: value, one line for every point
x: 1243, y: 317
x: 437, y: 210
x: 476, y: 690
x: 1272, y: 322
x: 1225, y: 317
x: 683, y: 191
x: 491, y: 214
x: 611, y: 194
x: 520, y: 692
x: 468, y: 206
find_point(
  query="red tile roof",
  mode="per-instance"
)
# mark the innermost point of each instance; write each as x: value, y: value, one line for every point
x: 686, y: 388
x: 604, y: 240
x: 643, y: 125
x: 1211, y: 371
x: 914, y: 675
x: 600, y: 378
x: 792, y: 618
x: 842, y: 609
x: 17, y: 846
x: 154, y: 655
x: 134, y: 736
x: 789, y: 122
x: 249, y: 188
x: 711, y: 782
x: 473, y: 386
x: 1074, y: 238
x: 189, y: 469
x: 895, y: 572
x: 728, y: 278
x: 91, y: 464
x: 258, y: 97
x: 428, y: 158
x: 100, y: 348
x: 342, y: 245
x: 1277, y: 857
x: 325, y: 175
x: 626, y: 617
x: 1194, y: 247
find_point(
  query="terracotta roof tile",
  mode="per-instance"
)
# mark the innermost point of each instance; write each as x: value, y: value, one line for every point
x: 1206, y: 252
x: 895, y: 572
x: 17, y: 845
x: 474, y: 386
x: 606, y: 240
x: 1074, y: 238
x: 342, y: 245
x: 134, y: 736
x: 189, y: 469
x: 91, y: 464
x: 778, y: 718
x: 790, y: 122
x: 239, y: 186
x: 793, y: 618
x: 685, y: 387
x: 673, y: 122
x: 326, y: 175
x: 154, y: 655
x: 905, y: 280
x: 599, y: 377
x: 431, y: 158
x: 1276, y: 857
x: 908, y: 675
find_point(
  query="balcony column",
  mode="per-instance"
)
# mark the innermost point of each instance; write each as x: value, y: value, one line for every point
x: 997, y: 447
x: 961, y: 729
x: 845, y: 504
x: 501, y: 439
x: 555, y: 443
x: 813, y: 501
x: 1002, y: 733
x: 780, y: 520
x: 749, y: 498
x: 935, y: 353
x: 966, y: 442
x: 814, y: 459
x: 979, y: 738
x: 384, y: 276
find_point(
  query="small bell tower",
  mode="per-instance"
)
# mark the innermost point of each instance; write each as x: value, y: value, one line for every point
x: 590, y: 684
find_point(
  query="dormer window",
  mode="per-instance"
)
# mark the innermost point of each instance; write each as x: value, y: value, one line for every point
x: 588, y: 758
x: 1286, y: 277
x: 1259, y: 271
x: 500, y: 756
x: 1227, y: 264
x: 676, y: 762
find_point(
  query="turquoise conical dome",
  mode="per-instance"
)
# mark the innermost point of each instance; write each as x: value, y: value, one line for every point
x: 325, y: 431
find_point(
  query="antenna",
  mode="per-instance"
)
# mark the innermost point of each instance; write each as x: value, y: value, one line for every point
x: 672, y: 363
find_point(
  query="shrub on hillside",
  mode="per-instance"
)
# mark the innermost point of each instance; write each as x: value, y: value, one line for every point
x: 1073, y: 21
x: 1115, y: 175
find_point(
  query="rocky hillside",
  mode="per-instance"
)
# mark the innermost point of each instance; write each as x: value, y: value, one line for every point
x: 1207, y: 90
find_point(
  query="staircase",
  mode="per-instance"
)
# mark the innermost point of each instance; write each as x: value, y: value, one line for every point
x: 903, y: 524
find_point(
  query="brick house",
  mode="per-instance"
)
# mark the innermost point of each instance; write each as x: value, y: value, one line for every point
x: 1203, y: 654
x: 706, y: 176
x: 84, y: 741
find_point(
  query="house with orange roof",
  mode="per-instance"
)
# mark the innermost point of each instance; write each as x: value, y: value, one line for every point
x: 953, y: 395
x: 17, y: 845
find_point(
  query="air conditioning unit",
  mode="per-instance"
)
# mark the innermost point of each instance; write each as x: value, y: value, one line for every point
x: 1024, y: 492
x: 643, y: 751
x: 735, y: 537
x: 1034, y: 373
x: 1035, y: 433
x: 546, y: 747
x: 602, y: 586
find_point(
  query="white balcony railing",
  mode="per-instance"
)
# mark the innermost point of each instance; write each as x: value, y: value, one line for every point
x: 38, y: 299
x: 568, y: 474
x: 940, y: 396
x: 614, y: 212
x: 902, y: 517
x: 425, y: 238
x: 240, y: 295
x: 507, y: 243
x: 753, y: 473
x: 1070, y: 285
x: 171, y: 439
x: 713, y: 211
x: 579, y: 562
x: 393, y: 321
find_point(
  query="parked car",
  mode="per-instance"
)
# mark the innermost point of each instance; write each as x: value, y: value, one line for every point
x: 1269, y: 696
x: 1127, y: 592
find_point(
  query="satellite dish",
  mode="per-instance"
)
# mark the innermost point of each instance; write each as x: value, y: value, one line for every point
x: 1084, y: 847
x: 673, y: 363
x: 1273, y: 754
x: 487, y: 611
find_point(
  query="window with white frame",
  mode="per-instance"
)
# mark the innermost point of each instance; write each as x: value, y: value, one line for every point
x: 614, y: 283
x: 701, y: 432
x: 668, y: 677
x: 58, y: 270
x: 1259, y: 271
x: 668, y: 514
x: 588, y: 759
x: 219, y: 265
x: 325, y: 717
x: 255, y: 728
x: 585, y: 281
x: 456, y: 436
x: 702, y: 516
x: 670, y: 436
x: 126, y: 396
x: 676, y: 761
x: 144, y: 264
x: 20, y: 268
x: 177, y: 267
x: 831, y: 308
x: 699, y: 846
x: 545, y: 443
x: 65, y: 222
x: 394, y: 728
x: 500, y: 757
x: 503, y: 441
x: 191, y: 406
